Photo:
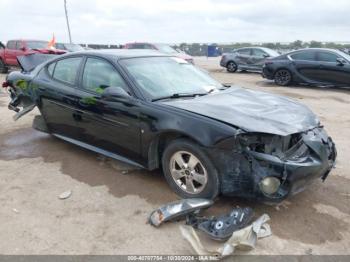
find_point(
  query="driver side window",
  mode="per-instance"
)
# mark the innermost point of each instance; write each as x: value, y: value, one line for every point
x: 100, y: 74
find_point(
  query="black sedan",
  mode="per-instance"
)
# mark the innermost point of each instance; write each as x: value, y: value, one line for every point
x: 313, y: 66
x: 157, y: 111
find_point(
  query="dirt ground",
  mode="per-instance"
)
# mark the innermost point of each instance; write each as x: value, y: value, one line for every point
x: 110, y: 201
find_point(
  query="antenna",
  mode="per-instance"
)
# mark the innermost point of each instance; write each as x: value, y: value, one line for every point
x: 65, y: 9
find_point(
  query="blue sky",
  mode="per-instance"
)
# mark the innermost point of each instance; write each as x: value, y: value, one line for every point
x: 175, y: 21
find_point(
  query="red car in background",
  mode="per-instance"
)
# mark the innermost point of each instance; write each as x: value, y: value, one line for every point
x: 163, y: 48
x: 15, y: 48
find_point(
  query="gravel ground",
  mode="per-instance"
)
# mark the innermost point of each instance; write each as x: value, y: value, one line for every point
x: 110, y: 201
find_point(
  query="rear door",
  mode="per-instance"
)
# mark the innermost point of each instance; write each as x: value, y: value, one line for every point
x: 58, y: 100
x: 109, y: 125
x: 330, y: 70
x: 306, y: 65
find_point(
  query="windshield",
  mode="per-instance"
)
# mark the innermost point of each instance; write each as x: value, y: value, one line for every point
x: 73, y: 47
x: 165, y: 76
x: 37, y: 44
x: 345, y: 55
x: 165, y: 49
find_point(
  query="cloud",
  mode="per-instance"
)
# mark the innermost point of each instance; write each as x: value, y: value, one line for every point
x: 174, y: 21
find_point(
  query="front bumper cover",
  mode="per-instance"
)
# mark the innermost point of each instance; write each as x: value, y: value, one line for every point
x: 243, y: 170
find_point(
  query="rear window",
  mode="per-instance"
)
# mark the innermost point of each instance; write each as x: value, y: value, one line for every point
x: 66, y: 70
x: 304, y: 55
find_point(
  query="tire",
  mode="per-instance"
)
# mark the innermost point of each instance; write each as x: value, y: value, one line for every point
x: 189, y: 171
x: 231, y: 67
x: 283, y: 77
x: 3, y: 68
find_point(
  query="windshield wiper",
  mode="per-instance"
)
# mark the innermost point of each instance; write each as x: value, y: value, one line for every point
x: 179, y: 95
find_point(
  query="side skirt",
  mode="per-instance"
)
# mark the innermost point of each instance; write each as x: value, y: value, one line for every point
x: 98, y: 150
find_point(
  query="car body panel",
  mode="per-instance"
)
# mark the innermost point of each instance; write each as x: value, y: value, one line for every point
x: 252, y: 111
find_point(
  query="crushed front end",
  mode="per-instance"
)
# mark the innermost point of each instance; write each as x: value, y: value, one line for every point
x: 272, y: 167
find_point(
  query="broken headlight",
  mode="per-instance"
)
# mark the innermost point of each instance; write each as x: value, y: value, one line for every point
x: 283, y: 147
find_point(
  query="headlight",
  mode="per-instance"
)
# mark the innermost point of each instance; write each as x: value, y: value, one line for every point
x: 270, y: 185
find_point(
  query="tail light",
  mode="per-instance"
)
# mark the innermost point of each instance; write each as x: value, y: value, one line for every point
x: 5, y: 84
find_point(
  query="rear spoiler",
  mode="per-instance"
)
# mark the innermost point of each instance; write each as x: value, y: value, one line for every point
x: 29, y: 62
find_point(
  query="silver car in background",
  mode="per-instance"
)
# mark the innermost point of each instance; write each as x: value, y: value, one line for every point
x: 247, y: 59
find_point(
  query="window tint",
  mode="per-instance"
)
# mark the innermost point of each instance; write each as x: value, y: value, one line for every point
x: 66, y: 69
x: 51, y: 68
x: 244, y: 52
x: 99, y: 74
x: 11, y: 44
x: 304, y: 55
x: 259, y: 53
x: 327, y: 57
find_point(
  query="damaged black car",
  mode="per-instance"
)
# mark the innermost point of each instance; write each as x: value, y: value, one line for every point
x: 157, y: 111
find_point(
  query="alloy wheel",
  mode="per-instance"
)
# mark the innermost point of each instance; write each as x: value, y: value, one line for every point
x: 231, y: 67
x: 283, y: 77
x: 188, y: 172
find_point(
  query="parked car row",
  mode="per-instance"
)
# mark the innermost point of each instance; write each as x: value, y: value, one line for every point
x: 312, y: 66
x: 15, y: 48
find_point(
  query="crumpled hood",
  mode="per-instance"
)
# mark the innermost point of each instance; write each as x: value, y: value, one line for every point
x: 252, y: 111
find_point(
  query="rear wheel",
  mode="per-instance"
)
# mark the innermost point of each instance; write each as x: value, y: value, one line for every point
x: 283, y: 77
x: 231, y: 67
x: 3, y: 67
x: 189, y: 171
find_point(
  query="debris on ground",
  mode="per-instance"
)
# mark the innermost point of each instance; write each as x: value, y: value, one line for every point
x: 243, y: 239
x: 15, y: 210
x: 222, y: 227
x: 234, y: 228
x: 65, y: 195
x: 177, y: 210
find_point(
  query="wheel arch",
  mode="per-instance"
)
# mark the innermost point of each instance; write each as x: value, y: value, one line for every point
x: 159, y: 143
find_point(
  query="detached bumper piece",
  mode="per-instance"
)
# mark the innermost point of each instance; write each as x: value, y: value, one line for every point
x: 221, y: 228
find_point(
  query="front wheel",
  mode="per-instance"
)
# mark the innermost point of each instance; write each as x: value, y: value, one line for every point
x: 189, y: 171
x: 283, y: 77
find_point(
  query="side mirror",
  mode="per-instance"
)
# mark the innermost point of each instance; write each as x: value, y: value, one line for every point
x: 341, y: 61
x: 114, y: 92
x: 23, y: 49
x: 266, y: 55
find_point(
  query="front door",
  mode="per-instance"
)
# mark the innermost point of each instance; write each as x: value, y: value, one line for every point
x: 331, y: 71
x: 110, y: 124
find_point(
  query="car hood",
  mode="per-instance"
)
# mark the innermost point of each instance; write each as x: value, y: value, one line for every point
x: 252, y: 111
